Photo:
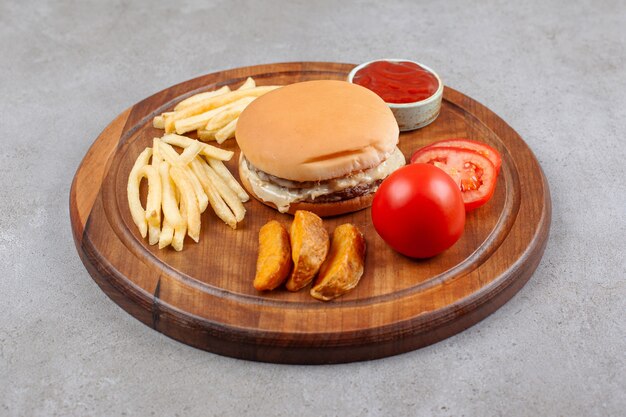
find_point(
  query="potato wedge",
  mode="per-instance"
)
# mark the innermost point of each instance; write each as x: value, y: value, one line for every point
x: 344, y: 266
x: 274, y: 261
x: 309, y: 247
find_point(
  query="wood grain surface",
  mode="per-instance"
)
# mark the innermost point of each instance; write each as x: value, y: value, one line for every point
x: 203, y: 296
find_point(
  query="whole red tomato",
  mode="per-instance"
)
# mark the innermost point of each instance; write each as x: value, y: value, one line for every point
x: 418, y: 210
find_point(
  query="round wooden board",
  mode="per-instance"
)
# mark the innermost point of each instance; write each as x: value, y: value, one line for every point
x: 203, y: 296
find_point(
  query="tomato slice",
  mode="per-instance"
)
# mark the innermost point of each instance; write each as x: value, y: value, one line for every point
x: 473, y: 173
x: 482, y: 148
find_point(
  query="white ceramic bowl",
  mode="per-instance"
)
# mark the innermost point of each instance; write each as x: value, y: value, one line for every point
x: 411, y: 116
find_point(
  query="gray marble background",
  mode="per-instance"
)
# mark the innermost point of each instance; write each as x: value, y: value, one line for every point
x: 553, y: 70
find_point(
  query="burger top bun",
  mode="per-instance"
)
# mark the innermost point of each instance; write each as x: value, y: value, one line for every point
x: 317, y: 130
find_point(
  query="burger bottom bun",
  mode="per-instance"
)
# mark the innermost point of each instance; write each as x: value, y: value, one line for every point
x: 321, y: 209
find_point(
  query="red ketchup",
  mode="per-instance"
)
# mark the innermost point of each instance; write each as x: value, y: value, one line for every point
x: 397, y: 82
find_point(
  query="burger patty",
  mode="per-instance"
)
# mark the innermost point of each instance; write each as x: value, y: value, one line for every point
x: 347, y: 194
x: 340, y: 195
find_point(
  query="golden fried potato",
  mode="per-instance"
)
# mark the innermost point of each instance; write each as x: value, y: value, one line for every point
x: 343, y: 268
x: 274, y: 261
x: 309, y: 247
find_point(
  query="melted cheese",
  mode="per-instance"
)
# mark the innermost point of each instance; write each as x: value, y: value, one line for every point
x: 282, y: 196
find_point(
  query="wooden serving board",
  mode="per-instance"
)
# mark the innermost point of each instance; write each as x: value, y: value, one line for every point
x: 203, y: 296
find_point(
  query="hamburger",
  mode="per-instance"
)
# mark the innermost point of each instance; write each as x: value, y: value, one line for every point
x: 322, y: 146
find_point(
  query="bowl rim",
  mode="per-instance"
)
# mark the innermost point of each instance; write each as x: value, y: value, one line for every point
x: 433, y: 97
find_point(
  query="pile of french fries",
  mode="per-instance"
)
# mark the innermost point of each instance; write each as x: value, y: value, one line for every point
x: 180, y: 187
x: 213, y: 114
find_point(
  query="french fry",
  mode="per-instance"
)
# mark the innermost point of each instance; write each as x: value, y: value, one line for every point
x: 169, y: 203
x: 190, y: 152
x: 224, y: 173
x: 132, y: 190
x: 202, y: 198
x: 167, y: 234
x: 159, y: 121
x: 228, y: 114
x: 202, y: 96
x: 227, y: 194
x: 182, y: 161
x: 217, y: 203
x: 207, y: 150
x: 180, y: 231
x: 156, y: 153
x: 168, y: 120
x: 195, y: 122
x: 153, y: 202
x: 212, y: 103
x: 227, y: 131
x: 154, y: 234
x: 188, y: 196
x: 206, y: 135
x: 170, y: 155
x: 198, y: 169
x: 174, y: 158
x: 248, y: 84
